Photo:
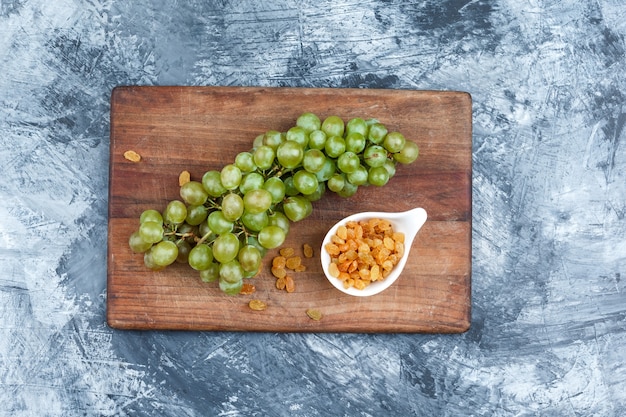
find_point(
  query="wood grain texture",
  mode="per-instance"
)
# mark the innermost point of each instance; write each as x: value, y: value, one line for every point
x: 203, y: 128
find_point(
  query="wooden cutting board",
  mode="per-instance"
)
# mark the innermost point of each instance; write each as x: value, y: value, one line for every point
x: 203, y: 128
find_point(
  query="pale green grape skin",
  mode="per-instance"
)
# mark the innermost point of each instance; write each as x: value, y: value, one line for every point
x: 333, y: 126
x: 336, y: 182
x: 257, y: 201
x: 151, y: 215
x: 335, y: 146
x: 357, y: 125
x: 231, y: 271
x: 212, y: 183
x: 250, y: 258
x: 273, y: 139
x: 296, y: 208
x: 196, y: 215
x: 225, y: 247
x: 408, y: 154
x: 279, y: 219
x: 299, y: 135
x: 218, y: 223
x: 232, y: 206
x: 355, y: 142
x: 230, y: 288
x: 230, y: 176
x: 377, y: 133
x: 375, y: 155
x: 348, y: 190
x: 327, y: 171
x: 271, y: 237
x: 317, y: 139
x: 309, y: 122
x: 305, y: 182
x: 276, y: 187
x: 255, y: 221
x: 348, y: 162
x: 358, y: 176
x: 184, y: 248
x: 175, y: 213
x: 394, y: 142
x: 313, y: 160
x: 318, y: 193
x: 164, y: 253
x: 251, y: 181
x: 149, y: 261
x: 245, y: 162
x: 264, y: 157
x: 211, y: 274
x: 193, y: 193
x: 151, y: 232
x: 200, y: 257
x: 137, y: 244
x: 289, y: 154
x: 378, y: 176
x: 390, y: 166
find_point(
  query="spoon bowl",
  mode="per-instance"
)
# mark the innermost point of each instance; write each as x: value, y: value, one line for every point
x: 407, y: 222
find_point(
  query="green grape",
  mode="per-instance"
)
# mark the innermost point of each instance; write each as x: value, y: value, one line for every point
x: 290, y: 188
x: 137, y: 244
x: 212, y: 183
x: 232, y: 206
x: 151, y: 232
x: 245, y: 162
x: 230, y: 176
x: 357, y: 125
x: 193, y: 193
x: 230, y: 288
x: 255, y: 221
x: 378, y: 176
x: 211, y: 274
x: 313, y: 160
x: 250, y: 258
x: 196, y: 215
x: 348, y: 190
x: 271, y: 237
x: 205, y: 230
x: 252, y: 240
x: 175, y: 212
x: 296, y: 208
x: 184, y: 248
x: 408, y: 154
x: 327, y: 171
x: 164, y: 253
x: 390, y: 166
x: 264, y: 157
x: 257, y: 201
x: 148, y: 261
x: 317, y: 139
x: 251, y: 181
x: 358, y: 176
x: 273, y: 139
x: 151, y: 215
x: 289, y: 154
x: 348, y: 162
x: 335, y: 146
x: 231, y: 271
x: 309, y: 122
x: 258, y: 141
x: 299, y: 135
x: 225, y: 247
x: 375, y: 156
x: 200, y: 257
x: 276, y: 187
x: 333, y: 126
x: 336, y: 182
x: 394, y: 142
x: 279, y: 219
x: 377, y: 133
x: 218, y: 223
x: 305, y: 182
x: 355, y: 142
x: 318, y: 193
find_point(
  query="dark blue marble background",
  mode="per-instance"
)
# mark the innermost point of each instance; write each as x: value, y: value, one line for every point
x: 548, y: 82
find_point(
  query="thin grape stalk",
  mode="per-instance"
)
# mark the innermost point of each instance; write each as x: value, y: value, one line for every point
x: 223, y: 225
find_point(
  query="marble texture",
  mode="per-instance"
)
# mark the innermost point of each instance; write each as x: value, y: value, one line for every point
x: 548, y: 82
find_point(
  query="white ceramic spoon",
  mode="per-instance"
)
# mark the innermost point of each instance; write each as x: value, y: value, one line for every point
x: 408, y: 222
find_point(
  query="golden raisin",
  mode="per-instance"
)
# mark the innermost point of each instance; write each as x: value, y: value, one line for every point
x: 132, y: 156
x: 314, y: 314
x: 286, y: 252
x: 290, y: 285
x: 184, y: 178
x: 293, y: 262
x: 308, y: 250
x: 247, y: 289
x: 279, y: 272
x: 278, y: 262
x: 257, y: 305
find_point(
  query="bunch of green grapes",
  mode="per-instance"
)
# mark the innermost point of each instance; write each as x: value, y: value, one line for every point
x: 223, y: 225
